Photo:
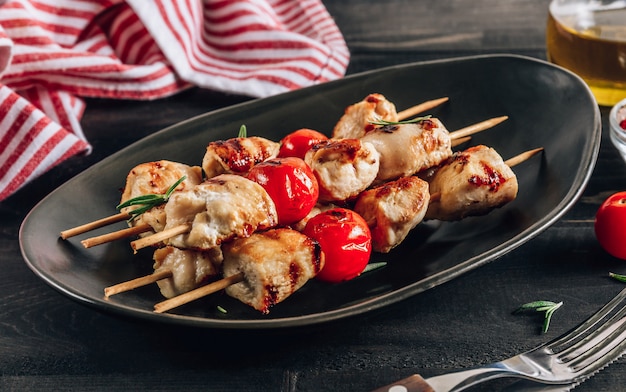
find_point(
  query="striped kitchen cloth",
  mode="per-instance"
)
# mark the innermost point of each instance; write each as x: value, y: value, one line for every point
x: 52, y: 52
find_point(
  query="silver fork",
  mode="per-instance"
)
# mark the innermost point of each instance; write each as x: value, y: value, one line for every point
x: 568, y: 359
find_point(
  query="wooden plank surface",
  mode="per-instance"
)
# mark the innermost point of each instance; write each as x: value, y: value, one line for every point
x: 49, y: 342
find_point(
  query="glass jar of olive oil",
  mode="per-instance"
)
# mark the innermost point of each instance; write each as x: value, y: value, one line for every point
x: 589, y: 38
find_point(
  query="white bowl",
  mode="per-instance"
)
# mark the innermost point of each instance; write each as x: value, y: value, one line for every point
x: 617, y: 120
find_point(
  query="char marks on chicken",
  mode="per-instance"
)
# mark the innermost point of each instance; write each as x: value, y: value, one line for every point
x: 190, y: 268
x: 275, y: 263
x: 472, y: 182
x: 155, y: 178
x: 343, y: 168
x: 392, y: 210
x: 406, y: 149
x: 237, y: 155
x: 359, y: 116
x: 220, y: 209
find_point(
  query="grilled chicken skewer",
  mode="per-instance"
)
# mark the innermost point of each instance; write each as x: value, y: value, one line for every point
x: 471, y: 182
x: 261, y: 270
x: 245, y: 153
x: 373, y: 108
x: 220, y: 209
x: 358, y: 118
x: 146, y: 178
x: 391, y: 210
x: 176, y: 271
x: 152, y: 178
x: 346, y: 167
x: 236, y: 156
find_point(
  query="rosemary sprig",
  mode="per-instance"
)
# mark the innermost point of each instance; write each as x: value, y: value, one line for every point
x: 374, y: 266
x: 148, y: 201
x: 541, y: 306
x: 412, y: 121
x: 621, y: 278
x: 243, y: 131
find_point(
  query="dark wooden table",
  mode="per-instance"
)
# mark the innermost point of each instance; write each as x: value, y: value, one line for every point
x: 50, y: 342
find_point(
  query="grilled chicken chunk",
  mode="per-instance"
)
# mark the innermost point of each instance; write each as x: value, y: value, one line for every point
x: 275, y: 264
x: 358, y: 117
x: 343, y: 168
x: 392, y: 210
x: 156, y: 178
x: 237, y: 155
x: 220, y: 209
x: 471, y: 182
x: 190, y: 268
x: 406, y: 149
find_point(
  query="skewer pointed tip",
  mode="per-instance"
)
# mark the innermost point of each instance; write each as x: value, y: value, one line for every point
x: 136, y: 283
x: 65, y: 234
x: 516, y: 160
x: 478, y: 127
x: 422, y: 107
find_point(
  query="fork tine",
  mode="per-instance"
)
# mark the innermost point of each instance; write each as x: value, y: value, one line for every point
x: 615, y: 341
x: 563, y: 342
x: 603, y: 332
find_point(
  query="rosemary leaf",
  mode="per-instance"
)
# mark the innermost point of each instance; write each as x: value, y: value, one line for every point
x: 243, y: 132
x: 621, y: 278
x: 548, y: 307
x: 413, y: 121
x: 374, y: 266
x: 149, y: 201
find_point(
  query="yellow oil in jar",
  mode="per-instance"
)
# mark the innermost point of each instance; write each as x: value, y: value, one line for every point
x: 594, y: 48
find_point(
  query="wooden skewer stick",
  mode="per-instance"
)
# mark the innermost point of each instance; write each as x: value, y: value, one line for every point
x: 422, y: 107
x: 136, y: 283
x: 116, y: 235
x: 94, y: 225
x: 159, y: 237
x: 516, y: 160
x: 459, y: 141
x: 478, y: 127
x: 200, y: 292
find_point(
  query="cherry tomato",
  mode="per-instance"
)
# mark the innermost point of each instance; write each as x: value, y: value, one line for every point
x: 345, y: 240
x: 297, y: 143
x: 610, y: 225
x: 290, y: 183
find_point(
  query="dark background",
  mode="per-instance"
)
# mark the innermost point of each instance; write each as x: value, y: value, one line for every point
x: 49, y: 342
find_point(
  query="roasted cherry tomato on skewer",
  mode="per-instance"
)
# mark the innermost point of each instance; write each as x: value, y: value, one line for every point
x: 297, y: 143
x: 290, y: 183
x: 610, y: 225
x: 345, y: 240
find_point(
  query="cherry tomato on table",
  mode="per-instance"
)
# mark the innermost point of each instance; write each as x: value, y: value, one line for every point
x: 290, y: 183
x: 297, y: 143
x: 345, y: 240
x: 610, y: 225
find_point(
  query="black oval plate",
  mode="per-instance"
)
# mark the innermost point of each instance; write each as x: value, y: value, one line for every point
x: 547, y: 107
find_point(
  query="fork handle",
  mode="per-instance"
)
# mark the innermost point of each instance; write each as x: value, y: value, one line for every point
x: 414, y: 383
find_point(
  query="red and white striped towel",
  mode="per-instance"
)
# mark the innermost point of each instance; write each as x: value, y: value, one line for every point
x: 52, y: 52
